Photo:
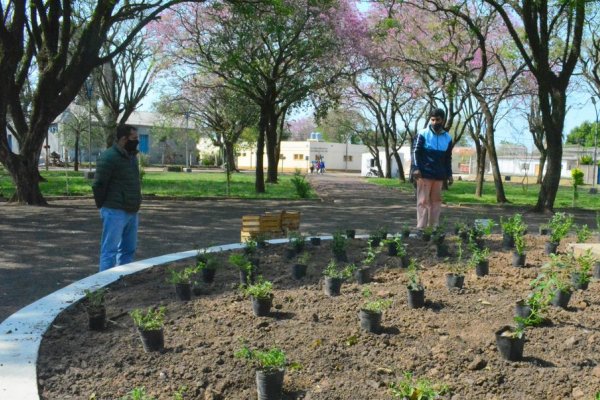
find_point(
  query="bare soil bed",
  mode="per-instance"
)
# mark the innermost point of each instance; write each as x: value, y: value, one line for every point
x: 450, y: 341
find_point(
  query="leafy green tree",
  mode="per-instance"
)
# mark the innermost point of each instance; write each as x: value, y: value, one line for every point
x: 584, y: 134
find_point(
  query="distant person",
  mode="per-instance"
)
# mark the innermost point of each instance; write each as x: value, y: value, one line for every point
x: 118, y: 195
x: 318, y: 166
x: 322, y: 166
x: 312, y: 168
x: 431, y: 166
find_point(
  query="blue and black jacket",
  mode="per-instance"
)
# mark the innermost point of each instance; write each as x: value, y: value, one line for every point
x: 432, y: 154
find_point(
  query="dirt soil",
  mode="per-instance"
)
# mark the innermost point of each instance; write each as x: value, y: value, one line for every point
x: 451, y: 341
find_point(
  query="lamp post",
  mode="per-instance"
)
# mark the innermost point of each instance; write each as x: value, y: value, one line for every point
x: 89, y: 90
x: 594, y: 190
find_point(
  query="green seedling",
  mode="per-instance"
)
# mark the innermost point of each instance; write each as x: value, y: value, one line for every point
x: 417, y: 389
x: 270, y: 360
x: 262, y: 289
x: 152, y: 320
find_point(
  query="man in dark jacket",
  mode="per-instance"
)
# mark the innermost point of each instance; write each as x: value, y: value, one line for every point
x: 118, y: 195
x: 431, y: 166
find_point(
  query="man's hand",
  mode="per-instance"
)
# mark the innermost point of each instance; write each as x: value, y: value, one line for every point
x: 416, y: 174
x: 450, y: 181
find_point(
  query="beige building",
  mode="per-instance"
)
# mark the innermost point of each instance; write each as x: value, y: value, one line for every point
x: 300, y: 154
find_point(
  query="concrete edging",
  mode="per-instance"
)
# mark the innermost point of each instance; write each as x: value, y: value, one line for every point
x: 21, y: 333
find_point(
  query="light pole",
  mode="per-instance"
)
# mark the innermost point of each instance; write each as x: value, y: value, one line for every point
x: 89, y: 90
x: 594, y: 190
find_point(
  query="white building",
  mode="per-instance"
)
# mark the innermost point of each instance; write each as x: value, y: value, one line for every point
x: 368, y: 162
x: 300, y: 154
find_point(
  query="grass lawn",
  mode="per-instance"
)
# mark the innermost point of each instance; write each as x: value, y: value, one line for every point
x: 176, y: 184
x: 523, y: 195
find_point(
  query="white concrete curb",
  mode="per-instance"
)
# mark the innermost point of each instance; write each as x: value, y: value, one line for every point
x: 21, y: 333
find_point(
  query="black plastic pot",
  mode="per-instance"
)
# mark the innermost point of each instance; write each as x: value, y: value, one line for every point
x: 332, y: 286
x: 441, y: 250
x: 550, y: 248
x: 375, y: 241
x: 261, y: 307
x: 315, y: 241
x: 392, y: 249
x: 362, y: 275
x: 298, y: 271
x: 255, y: 261
x: 439, y: 239
x: 522, y: 309
x: 508, y: 241
x: 544, y: 230
x: 246, y: 277
x: 269, y: 384
x: 454, y: 281
x: 596, y: 273
x: 426, y: 237
x: 261, y: 244
x: 208, y: 275
x: 350, y: 233
x: 576, y: 281
x: 341, y: 257
x: 404, y: 261
x: 510, y: 348
x: 463, y: 235
x: 290, y: 253
x: 518, y: 260
x: 561, y: 299
x: 97, y: 318
x: 416, y: 298
x: 183, y: 291
x: 405, y: 234
x: 370, y: 321
x: 152, y: 340
x: 482, y: 268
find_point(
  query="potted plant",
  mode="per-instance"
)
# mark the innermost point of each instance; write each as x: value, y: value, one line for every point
x: 439, y: 234
x: 559, y: 224
x: 455, y: 278
x: 247, y: 270
x: 375, y: 239
x: 338, y: 246
x: 426, y: 233
x: 479, y: 260
x: 95, y: 307
x: 261, y: 294
x: 261, y: 240
x: 405, y: 231
x: 510, y: 342
x: 250, y: 246
x: 183, y: 281
x: 299, y: 268
x: 350, y: 233
x: 315, y: 240
x: 518, y: 255
x: 296, y: 244
x: 441, y: 248
x: 150, y: 327
x: 580, y: 277
x: 416, y: 291
x: 334, y: 277
x: 511, y: 227
x: 557, y: 272
x: 530, y: 312
x: 393, y: 244
x: 461, y: 230
x: 420, y: 389
x: 207, y: 264
x: 270, y: 371
x: 370, y: 314
x: 543, y: 229
x: 583, y: 234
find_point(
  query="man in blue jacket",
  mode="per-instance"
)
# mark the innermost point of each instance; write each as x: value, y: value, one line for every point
x: 118, y: 195
x: 431, y: 166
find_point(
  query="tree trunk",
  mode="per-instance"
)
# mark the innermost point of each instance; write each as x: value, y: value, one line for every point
x: 26, y: 177
x: 398, y: 159
x: 271, y: 140
x: 229, y: 149
x: 76, y: 162
x: 540, y: 174
x: 491, y: 150
x: 259, y: 184
x: 480, y: 177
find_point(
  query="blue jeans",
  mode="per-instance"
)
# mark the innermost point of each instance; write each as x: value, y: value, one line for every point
x: 119, y: 237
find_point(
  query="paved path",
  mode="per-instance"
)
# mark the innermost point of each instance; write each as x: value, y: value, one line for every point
x: 45, y: 248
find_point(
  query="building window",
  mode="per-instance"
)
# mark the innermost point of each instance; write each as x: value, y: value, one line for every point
x: 298, y: 156
x: 348, y: 158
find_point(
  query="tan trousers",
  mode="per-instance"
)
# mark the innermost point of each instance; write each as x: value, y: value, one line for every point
x: 429, y: 202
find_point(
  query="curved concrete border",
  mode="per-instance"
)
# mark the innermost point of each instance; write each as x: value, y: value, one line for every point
x: 21, y: 333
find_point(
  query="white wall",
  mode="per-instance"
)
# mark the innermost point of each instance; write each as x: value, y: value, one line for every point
x: 368, y: 159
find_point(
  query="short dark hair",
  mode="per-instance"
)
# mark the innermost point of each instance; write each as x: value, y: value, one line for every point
x: 437, y: 112
x: 124, y: 130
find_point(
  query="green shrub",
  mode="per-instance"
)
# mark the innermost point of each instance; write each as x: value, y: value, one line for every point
x: 559, y: 225
x: 271, y: 360
x: 184, y: 276
x: 417, y: 389
x: 152, y: 320
x: 261, y: 289
x: 138, y: 393
x: 334, y: 271
x: 301, y: 185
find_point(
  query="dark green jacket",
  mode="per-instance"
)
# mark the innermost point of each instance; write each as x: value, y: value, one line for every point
x: 117, y: 180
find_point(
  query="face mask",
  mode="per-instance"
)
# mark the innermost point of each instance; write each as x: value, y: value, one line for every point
x: 437, y: 127
x: 131, y: 145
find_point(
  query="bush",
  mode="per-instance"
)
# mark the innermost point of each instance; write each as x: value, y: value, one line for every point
x: 174, y: 168
x: 301, y: 185
x: 586, y: 160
